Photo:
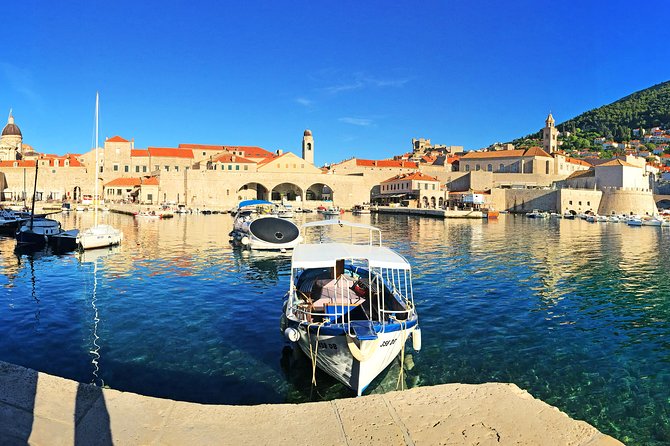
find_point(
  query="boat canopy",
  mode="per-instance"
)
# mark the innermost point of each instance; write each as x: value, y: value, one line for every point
x: 246, y: 203
x: 324, y: 255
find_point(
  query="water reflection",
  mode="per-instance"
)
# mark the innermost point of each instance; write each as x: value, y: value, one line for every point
x: 577, y: 313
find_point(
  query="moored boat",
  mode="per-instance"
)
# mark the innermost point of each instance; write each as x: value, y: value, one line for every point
x: 256, y: 227
x: 333, y: 210
x: 536, y: 213
x: 361, y: 209
x: 350, y: 307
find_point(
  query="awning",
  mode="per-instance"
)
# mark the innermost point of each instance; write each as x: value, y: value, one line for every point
x: 324, y: 255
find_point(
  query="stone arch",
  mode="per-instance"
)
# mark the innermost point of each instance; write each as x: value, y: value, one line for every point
x: 286, y: 191
x: 425, y: 202
x: 432, y: 202
x: 253, y: 191
x: 319, y: 192
x: 440, y: 202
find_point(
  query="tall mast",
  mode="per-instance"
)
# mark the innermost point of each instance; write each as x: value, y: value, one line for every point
x: 97, y: 168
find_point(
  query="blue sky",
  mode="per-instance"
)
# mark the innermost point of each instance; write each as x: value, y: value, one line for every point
x: 365, y: 77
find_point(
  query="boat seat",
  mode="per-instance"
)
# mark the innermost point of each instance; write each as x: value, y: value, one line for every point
x: 364, y: 330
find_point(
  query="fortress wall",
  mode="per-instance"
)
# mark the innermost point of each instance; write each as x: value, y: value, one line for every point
x: 524, y: 200
x: 627, y: 201
x: 57, y: 181
x: 579, y: 200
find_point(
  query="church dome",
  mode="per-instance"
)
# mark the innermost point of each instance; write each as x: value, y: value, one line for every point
x: 11, y: 129
x: 307, y: 133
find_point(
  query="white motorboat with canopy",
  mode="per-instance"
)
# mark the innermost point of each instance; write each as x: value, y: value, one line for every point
x: 350, y: 307
x: 256, y: 227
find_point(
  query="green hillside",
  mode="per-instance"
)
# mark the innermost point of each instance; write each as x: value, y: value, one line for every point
x: 646, y: 108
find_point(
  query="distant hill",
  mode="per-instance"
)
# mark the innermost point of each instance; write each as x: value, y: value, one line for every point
x: 646, y: 108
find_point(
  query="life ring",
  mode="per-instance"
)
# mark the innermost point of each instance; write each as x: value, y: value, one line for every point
x: 366, y: 350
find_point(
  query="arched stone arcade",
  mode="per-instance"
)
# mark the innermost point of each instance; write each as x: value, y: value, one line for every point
x: 253, y: 191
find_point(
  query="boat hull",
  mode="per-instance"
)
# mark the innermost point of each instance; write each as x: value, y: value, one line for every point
x: 334, y: 355
x: 100, y: 236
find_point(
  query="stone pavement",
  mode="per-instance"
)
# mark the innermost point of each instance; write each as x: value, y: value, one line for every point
x: 41, y: 409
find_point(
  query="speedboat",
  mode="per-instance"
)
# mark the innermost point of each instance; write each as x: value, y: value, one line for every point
x: 11, y: 220
x: 634, y: 220
x: 536, y: 213
x: 256, y: 227
x: 602, y: 218
x: 568, y: 215
x: 285, y: 212
x: 653, y: 221
x: 333, y: 210
x: 613, y: 219
x: 38, y: 232
x: 360, y: 209
x: 99, y: 236
x: 350, y: 307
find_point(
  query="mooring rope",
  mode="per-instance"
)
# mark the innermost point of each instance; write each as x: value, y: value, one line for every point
x: 313, y: 353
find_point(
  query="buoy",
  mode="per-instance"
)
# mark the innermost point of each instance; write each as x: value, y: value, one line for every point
x: 416, y: 339
x: 292, y: 334
x: 244, y: 241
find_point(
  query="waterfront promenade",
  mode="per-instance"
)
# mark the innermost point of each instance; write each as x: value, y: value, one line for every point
x: 41, y: 409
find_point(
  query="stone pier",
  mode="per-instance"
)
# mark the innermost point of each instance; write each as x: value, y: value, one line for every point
x: 40, y: 409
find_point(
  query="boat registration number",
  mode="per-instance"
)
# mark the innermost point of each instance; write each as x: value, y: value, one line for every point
x: 387, y: 343
x: 328, y: 345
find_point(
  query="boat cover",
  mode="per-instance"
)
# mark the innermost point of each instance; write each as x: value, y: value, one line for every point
x: 253, y: 203
x: 324, y: 255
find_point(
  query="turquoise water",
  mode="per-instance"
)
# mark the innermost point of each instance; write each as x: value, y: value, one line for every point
x: 574, y: 312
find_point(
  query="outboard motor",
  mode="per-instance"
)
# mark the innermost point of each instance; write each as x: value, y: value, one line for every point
x: 274, y: 230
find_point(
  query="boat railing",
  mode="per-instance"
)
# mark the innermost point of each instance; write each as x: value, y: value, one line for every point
x: 374, y: 233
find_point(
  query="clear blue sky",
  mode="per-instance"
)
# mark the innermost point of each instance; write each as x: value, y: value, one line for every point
x: 365, y: 77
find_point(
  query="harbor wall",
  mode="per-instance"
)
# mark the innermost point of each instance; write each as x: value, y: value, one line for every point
x: 627, y: 201
x: 552, y: 200
x: 41, y: 409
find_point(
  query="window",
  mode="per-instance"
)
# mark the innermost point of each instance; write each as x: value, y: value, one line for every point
x: 126, y: 169
x: 489, y: 168
x: 580, y: 203
x: 588, y: 203
x: 144, y: 168
x: 477, y: 167
x: 176, y: 168
x: 547, y: 169
x: 167, y: 168
x: 116, y: 167
x: 157, y: 167
x: 137, y: 169
x: 237, y: 167
x: 101, y: 169
x: 246, y: 167
x: 230, y: 167
x: 150, y: 197
x: 570, y: 202
x: 203, y: 154
x: 433, y: 187
x: 467, y: 168
x: 502, y: 168
x: 118, y: 191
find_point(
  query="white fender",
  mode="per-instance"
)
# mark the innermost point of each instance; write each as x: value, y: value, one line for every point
x: 365, y: 352
x: 292, y: 334
x: 416, y: 339
x: 245, y: 240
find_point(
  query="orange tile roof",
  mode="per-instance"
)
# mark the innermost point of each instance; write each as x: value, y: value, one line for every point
x: 170, y: 152
x: 616, y: 162
x: 251, y: 151
x: 20, y: 163
x: 577, y: 161
x: 124, y: 182
x: 495, y: 154
x: 230, y: 158
x: 150, y: 181
x: 202, y: 147
x: 117, y: 139
x: 452, y: 159
x: 128, y: 182
x: 411, y: 176
x: 139, y: 152
x: 536, y: 151
x: 386, y: 163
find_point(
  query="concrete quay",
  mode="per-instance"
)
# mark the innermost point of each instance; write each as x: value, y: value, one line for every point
x: 438, y: 213
x: 40, y: 409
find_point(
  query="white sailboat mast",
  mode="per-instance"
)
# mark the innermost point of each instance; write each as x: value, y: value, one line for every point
x: 96, y: 199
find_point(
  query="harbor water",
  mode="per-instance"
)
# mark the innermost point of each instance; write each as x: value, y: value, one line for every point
x: 576, y: 313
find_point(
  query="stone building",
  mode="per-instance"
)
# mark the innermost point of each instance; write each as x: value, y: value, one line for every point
x: 11, y: 141
x: 550, y: 135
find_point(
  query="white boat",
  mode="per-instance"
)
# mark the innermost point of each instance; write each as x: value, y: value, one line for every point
x: 333, y: 210
x: 360, y: 209
x: 11, y: 220
x: 98, y: 236
x: 613, y: 219
x: 634, y: 220
x: 285, y: 212
x: 653, y: 221
x: 591, y: 218
x: 350, y: 307
x: 257, y: 227
x: 536, y: 213
x: 602, y: 218
x: 568, y: 215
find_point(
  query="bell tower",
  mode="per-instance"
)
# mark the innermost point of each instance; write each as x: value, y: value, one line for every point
x: 308, y: 147
x: 550, y: 135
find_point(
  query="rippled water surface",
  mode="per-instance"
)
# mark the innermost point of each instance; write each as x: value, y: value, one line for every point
x: 576, y: 313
